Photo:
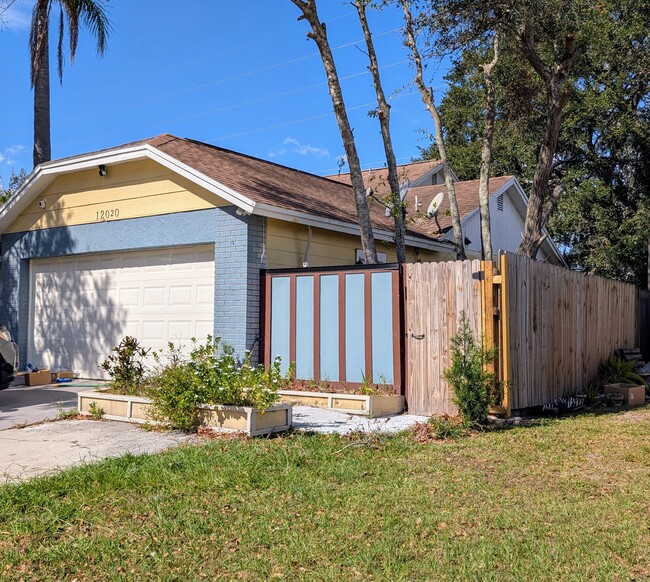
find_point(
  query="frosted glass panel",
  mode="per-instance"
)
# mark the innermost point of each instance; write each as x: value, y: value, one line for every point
x: 305, y: 328
x: 280, y: 309
x: 329, y: 328
x: 382, y: 328
x: 355, y: 347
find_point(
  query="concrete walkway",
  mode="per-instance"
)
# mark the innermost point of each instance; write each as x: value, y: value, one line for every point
x: 328, y: 421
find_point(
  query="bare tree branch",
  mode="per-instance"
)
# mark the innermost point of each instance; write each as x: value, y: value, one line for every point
x: 426, y: 94
x: 319, y: 35
x: 394, y: 202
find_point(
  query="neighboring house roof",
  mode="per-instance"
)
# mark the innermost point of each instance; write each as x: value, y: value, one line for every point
x: 377, y: 179
x: 268, y: 189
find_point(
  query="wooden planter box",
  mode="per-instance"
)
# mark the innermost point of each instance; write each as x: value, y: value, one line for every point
x: 246, y: 419
x: 371, y: 406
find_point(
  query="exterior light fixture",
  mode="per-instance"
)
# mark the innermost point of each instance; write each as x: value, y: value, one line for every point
x: 102, y: 170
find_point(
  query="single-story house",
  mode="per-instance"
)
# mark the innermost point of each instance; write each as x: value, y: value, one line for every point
x: 164, y: 239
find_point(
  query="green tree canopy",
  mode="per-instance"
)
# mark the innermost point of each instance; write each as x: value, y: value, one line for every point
x: 602, y: 219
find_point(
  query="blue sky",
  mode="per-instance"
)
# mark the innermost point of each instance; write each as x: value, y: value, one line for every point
x: 207, y: 70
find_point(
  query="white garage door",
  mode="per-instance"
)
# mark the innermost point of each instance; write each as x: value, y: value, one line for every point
x: 80, y: 307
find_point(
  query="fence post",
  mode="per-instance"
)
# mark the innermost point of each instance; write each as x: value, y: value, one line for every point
x: 504, y: 343
x: 487, y: 317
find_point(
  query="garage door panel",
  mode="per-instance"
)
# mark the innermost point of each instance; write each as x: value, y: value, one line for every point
x: 128, y: 297
x: 83, y: 306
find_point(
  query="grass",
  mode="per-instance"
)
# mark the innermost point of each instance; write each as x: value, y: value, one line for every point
x: 564, y: 500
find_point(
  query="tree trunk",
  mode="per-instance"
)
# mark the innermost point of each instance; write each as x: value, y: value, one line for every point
x: 397, y: 208
x: 319, y: 35
x: 539, y: 196
x: 486, y: 155
x: 540, y: 203
x: 41, y: 84
x: 427, y: 98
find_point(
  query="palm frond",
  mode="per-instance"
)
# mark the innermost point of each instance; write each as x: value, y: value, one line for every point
x: 94, y: 14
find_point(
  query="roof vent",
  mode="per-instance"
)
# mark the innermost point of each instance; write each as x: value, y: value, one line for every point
x: 500, y: 202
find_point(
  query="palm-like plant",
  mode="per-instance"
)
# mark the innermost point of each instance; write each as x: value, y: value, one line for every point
x: 73, y: 12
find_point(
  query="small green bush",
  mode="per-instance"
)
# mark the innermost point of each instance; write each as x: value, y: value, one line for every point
x: 126, y: 367
x: 96, y: 411
x: 211, y: 375
x: 471, y: 383
x: 175, y: 393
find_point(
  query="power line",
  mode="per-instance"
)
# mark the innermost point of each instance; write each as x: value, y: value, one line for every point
x: 239, y: 105
x: 218, y: 81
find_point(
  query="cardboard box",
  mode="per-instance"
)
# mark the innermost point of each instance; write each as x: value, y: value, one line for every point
x: 38, y: 378
x: 633, y: 394
x: 62, y: 374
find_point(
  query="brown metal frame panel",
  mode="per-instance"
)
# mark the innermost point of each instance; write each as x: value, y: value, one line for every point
x: 367, y: 322
x: 342, y: 361
x: 398, y: 337
x: 317, y: 327
x: 292, y: 318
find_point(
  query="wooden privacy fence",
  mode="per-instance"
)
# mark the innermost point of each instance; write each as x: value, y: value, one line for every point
x: 644, y: 323
x: 552, y: 327
x: 558, y: 326
x: 435, y: 295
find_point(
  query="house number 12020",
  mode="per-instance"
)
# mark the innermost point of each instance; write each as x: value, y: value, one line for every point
x: 108, y: 214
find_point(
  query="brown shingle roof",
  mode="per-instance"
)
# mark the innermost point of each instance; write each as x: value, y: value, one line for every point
x: 377, y: 179
x: 290, y: 189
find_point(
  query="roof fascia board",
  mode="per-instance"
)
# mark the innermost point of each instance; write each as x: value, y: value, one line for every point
x: 342, y: 227
x: 202, y: 180
x: 43, y: 176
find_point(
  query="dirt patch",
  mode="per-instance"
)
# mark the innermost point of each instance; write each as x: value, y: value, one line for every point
x: 642, y: 415
x: 372, y: 390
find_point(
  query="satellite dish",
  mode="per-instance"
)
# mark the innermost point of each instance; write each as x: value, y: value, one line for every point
x: 368, y: 192
x: 432, y: 211
x: 403, y: 189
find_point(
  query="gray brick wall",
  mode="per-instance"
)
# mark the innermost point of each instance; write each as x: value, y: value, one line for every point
x: 238, y: 260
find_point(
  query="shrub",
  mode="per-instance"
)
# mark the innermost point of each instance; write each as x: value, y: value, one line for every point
x: 212, y: 375
x: 226, y: 381
x: 471, y: 383
x: 126, y: 367
x: 612, y: 371
x: 175, y: 393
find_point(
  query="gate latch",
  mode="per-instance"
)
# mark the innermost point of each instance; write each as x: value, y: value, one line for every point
x: 417, y: 335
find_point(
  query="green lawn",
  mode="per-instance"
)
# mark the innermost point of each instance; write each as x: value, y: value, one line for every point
x: 564, y: 500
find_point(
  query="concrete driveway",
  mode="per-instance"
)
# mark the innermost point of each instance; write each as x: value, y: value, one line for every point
x: 44, y: 449
x: 21, y: 405
x: 41, y: 448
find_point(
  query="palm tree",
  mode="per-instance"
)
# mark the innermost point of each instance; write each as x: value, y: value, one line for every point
x: 93, y: 14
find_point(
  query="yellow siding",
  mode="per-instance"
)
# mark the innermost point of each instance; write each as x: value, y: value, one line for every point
x: 286, y: 243
x: 130, y: 190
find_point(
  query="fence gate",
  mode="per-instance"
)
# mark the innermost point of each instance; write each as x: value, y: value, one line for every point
x: 340, y: 325
x: 435, y: 296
